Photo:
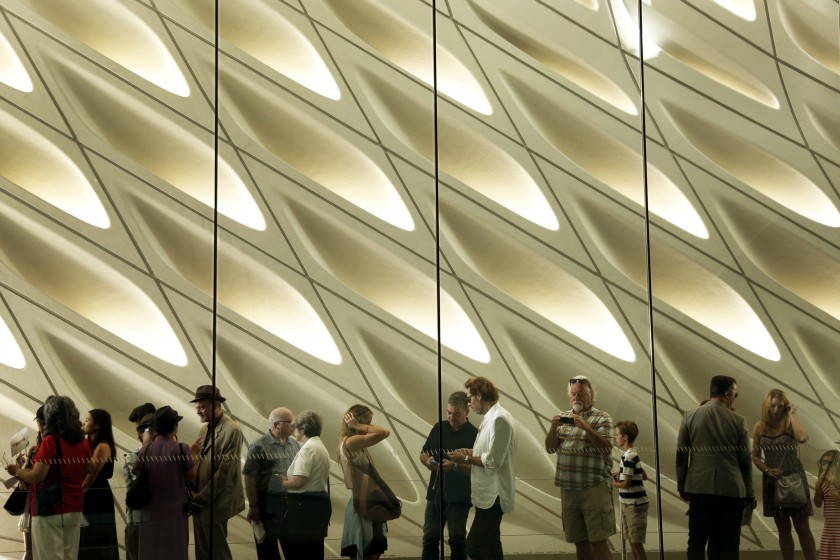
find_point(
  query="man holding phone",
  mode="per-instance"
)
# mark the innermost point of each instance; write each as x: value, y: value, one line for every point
x: 448, y: 497
x: 582, y: 438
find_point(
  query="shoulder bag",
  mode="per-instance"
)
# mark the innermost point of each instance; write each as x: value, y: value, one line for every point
x: 16, y: 504
x: 372, y: 498
x: 790, y: 489
x: 137, y: 490
x: 49, y: 497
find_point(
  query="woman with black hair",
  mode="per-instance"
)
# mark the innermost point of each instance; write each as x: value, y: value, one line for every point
x: 99, y: 539
x: 64, y: 451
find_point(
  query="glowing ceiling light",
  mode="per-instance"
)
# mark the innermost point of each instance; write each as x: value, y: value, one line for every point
x: 627, y: 24
x: 10, y: 352
x: 12, y: 72
x: 261, y: 296
x: 87, y: 285
x: 118, y: 33
x: 390, y: 282
x: 167, y: 147
x: 744, y: 9
x: 263, y: 33
x: 407, y: 47
x: 35, y: 164
x: 327, y: 157
x: 537, y: 283
x: 750, y: 163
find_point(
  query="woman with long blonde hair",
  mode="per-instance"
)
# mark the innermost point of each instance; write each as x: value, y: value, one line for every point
x: 776, y: 440
x: 361, y: 539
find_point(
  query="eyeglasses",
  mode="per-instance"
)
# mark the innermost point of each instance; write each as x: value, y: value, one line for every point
x: 283, y: 422
x: 581, y: 380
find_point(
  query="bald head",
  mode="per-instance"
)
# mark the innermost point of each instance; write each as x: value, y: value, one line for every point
x: 280, y: 423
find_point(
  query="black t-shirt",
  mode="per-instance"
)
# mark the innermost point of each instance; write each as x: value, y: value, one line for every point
x: 456, y: 485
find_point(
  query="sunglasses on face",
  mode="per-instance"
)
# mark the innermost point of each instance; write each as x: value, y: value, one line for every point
x: 574, y: 380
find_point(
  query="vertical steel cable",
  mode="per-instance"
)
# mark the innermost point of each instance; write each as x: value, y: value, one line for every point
x: 649, y: 279
x: 211, y: 424
x: 440, y: 473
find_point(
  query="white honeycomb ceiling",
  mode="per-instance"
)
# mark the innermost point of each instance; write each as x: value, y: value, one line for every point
x: 326, y: 153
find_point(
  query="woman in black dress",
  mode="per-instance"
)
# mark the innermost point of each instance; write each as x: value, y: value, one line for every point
x: 98, y: 541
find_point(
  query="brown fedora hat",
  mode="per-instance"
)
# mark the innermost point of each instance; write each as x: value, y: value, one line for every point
x: 205, y: 392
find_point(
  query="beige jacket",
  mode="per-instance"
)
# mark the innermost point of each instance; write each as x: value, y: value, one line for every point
x: 228, y: 493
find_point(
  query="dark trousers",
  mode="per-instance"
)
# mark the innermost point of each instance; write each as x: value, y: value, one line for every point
x: 485, y: 539
x: 305, y: 526
x: 132, y: 540
x: 454, y: 516
x: 714, y: 521
x: 272, y: 522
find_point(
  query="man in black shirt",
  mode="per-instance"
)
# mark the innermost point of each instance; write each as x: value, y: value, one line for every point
x: 448, y: 504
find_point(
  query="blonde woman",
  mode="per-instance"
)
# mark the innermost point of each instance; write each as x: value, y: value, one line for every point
x: 776, y: 439
x: 361, y: 539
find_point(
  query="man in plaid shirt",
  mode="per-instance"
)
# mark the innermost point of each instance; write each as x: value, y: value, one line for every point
x: 583, y: 440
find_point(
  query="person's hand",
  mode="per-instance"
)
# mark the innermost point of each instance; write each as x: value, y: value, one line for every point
x: 197, y: 498
x: 579, y: 421
x: 253, y: 514
x: 447, y: 465
x: 458, y: 456
x: 555, y: 421
x: 614, y: 475
x: 431, y: 464
x: 12, y: 469
x: 351, y: 421
x: 773, y: 472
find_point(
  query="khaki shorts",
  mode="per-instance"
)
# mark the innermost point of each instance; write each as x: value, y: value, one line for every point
x: 588, y: 515
x: 634, y: 521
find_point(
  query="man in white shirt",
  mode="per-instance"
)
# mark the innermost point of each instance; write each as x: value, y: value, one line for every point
x: 492, y: 469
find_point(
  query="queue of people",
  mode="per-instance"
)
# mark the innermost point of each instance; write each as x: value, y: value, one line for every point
x: 285, y: 480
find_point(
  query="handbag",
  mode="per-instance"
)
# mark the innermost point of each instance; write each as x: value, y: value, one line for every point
x: 790, y: 490
x: 48, y: 497
x: 16, y: 503
x: 137, y: 489
x: 372, y: 498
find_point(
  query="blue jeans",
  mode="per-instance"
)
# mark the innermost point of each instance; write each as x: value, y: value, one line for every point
x: 454, y: 516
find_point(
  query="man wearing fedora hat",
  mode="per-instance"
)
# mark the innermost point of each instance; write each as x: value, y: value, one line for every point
x: 218, y: 449
x: 142, y: 417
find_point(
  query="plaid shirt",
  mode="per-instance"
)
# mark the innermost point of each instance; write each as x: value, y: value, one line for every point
x: 580, y: 465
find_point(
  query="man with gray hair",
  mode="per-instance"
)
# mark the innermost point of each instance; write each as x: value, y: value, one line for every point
x: 448, y: 495
x: 268, y: 458
x: 583, y: 439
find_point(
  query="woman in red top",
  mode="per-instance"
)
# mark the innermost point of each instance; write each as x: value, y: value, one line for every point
x: 55, y: 530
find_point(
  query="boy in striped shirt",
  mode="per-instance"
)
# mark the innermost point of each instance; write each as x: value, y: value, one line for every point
x: 629, y: 480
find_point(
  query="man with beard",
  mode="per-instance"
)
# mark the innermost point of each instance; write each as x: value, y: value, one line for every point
x: 218, y: 449
x: 583, y: 440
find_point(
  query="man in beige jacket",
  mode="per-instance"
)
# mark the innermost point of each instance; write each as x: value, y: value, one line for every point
x: 218, y: 451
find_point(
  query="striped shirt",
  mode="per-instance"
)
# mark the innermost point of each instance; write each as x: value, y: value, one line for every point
x: 830, y: 544
x: 581, y: 465
x: 631, y: 467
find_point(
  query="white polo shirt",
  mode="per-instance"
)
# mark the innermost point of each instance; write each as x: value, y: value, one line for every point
x: 313, y: 462
x: 496, y: 445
